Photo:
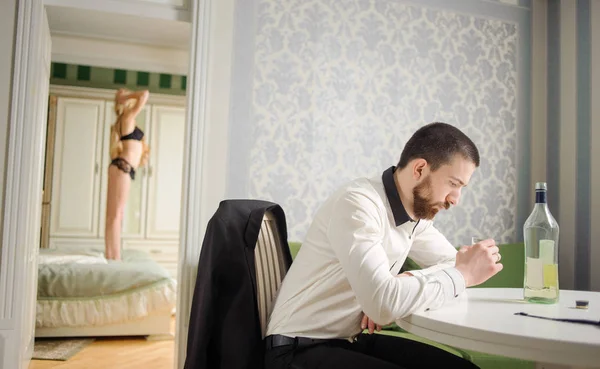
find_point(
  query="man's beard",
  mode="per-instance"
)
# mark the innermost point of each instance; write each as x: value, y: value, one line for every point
x: 422, y: 206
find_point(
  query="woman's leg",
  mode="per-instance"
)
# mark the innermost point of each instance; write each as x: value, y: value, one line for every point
x: 119, y: 183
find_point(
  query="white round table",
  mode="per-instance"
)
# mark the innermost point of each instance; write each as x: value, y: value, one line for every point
x: 484, y: 320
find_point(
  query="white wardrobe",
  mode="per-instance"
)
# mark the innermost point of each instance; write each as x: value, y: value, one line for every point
x: 77, y: 167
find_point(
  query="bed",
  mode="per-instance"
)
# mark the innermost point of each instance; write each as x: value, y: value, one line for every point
x: 81, y: 294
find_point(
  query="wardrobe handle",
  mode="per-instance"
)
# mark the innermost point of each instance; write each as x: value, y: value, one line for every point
x: 96, y: 168
x: 149, y: 171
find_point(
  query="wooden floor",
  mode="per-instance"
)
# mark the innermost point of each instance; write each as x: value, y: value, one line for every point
x: 125, y: 353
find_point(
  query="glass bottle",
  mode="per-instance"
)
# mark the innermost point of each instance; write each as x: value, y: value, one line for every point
x: 541, y: 252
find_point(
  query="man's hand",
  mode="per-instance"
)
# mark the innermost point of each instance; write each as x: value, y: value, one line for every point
x: 367, y: 322
x: 479, y: 262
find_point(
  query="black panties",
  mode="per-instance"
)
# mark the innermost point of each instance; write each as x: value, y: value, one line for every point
x: 123, y: 165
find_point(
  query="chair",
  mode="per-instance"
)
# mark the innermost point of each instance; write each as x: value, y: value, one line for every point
x: 271, y: 268
x: 243, y: 261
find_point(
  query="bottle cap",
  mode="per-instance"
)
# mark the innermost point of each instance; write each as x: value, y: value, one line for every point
x: 581, y: 304
x: 541, y: 186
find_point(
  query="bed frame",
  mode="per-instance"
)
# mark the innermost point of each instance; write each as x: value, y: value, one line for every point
x: 155, y: 327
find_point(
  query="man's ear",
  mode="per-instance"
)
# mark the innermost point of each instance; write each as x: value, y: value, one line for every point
x: 419, y: 166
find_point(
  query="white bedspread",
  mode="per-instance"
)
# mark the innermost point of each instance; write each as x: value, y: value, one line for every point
x: 82, y: 288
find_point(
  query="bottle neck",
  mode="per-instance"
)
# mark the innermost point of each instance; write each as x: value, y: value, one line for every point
x: 540, y: 198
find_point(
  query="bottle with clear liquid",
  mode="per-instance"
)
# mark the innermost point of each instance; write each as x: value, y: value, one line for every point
x: 541, y: 252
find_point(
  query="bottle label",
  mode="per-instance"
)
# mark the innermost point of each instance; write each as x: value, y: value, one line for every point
x: 540, y: 275
x: 547, y: 251
x: 550, y: 276
x: 535, y: 273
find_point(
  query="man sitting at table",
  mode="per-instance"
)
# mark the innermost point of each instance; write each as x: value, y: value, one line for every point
x: 345, y: 277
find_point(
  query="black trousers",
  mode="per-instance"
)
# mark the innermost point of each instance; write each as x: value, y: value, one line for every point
x: 369, y: 351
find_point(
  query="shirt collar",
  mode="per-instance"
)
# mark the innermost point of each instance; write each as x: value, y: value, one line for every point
x: 398, y: 210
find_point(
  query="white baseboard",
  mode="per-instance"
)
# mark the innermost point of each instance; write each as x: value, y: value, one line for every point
x: 152, y: 325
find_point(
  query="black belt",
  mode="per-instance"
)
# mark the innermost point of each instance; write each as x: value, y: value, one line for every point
x: 277, y: 340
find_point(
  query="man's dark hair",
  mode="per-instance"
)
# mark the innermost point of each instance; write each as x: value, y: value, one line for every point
x: 438, y: 143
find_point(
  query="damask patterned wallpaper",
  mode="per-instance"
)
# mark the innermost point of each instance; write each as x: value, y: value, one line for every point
x: 338, y: 87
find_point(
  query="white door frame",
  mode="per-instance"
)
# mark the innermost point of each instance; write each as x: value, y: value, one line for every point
x: 22, y: 203
x: 204, y: 159
x: 192, y: 221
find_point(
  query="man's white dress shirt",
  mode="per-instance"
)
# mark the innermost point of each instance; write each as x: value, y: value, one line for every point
x: 349, y: 262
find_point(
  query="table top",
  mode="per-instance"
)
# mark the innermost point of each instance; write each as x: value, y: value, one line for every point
x: 484, y: 320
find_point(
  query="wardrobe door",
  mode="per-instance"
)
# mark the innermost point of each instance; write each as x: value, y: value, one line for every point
x: 135, y: 208
x: 165, y: 172
x: 76, y: 173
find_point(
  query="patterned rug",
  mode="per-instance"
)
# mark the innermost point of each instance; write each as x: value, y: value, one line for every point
x: 61, y: 349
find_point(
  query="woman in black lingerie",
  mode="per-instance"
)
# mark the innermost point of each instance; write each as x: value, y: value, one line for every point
x: 128, y: 151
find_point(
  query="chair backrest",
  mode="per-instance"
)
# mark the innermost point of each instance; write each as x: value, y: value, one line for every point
x: 270, y: 268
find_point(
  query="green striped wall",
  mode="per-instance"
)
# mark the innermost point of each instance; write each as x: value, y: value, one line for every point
x: 97, y: 77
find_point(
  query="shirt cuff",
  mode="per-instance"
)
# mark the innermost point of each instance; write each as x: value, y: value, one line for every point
x: 452, y: 280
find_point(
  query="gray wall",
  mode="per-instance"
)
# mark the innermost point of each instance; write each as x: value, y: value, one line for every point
x: 324, y: 92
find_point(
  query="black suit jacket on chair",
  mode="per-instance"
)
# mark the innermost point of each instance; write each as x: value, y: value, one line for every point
x: 224, y: 329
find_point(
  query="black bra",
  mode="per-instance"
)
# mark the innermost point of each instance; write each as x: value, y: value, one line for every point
x: 137, y: 135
